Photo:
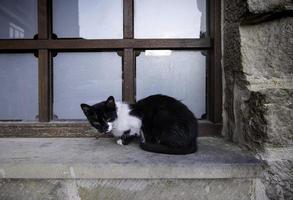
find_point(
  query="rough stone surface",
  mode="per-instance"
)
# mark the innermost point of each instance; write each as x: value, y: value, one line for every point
x: 233, y: 13
x: 267, y: 55
x: 222, y: 189
x: 257, y: 64
x: 278, y: 179
x: 90, y: 169
x: 51, y: 129
x: 263, y: 105
x: 265, y: 110
x: 265, y: 118
x: 278, y: 174
x: 261, y: 6
x: 258, y: 108
x: 279, y: 116
x: 103, y: 158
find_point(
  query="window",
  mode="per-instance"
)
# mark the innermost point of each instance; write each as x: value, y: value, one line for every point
x: 63, y: 53
x: 84, y: 77
x: 169, y: 19
x: 19, y: 87
x: 88, y: 19
x: 180, y: 74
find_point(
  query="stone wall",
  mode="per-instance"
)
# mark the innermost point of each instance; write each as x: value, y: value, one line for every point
x: 258, y: 87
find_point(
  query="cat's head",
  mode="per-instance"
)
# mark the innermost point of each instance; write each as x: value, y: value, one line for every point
x: 101, y: 115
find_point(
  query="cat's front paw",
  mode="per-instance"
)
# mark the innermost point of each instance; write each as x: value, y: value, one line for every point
x: 120, y: 142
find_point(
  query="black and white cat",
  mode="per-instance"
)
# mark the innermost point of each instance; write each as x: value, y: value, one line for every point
x: 164, y: 124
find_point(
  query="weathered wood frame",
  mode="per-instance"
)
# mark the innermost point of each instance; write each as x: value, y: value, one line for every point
x: 45, y: 43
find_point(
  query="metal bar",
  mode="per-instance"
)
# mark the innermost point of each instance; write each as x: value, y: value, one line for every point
x: 44, y: 86
x: 77, y: 129
x: 128, y: 19
x: 215, y: 98
x: 128, y: 76
x: 80, y: 44
x: 44, y: 32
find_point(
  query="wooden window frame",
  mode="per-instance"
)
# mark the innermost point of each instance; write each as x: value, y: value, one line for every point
x: 45, y: 44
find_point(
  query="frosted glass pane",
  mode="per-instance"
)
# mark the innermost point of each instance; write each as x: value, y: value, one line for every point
x: 18, y: 19
x: 180, y: 74
x: 169, y: 18
x: 89, y: 19
x: 85, y: 78
x: 18, y: 87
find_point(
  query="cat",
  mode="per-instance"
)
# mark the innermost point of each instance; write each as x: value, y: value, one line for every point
x: 163, y: 124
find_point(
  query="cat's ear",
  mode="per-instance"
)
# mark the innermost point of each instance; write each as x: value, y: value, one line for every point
x: 88, y: 110
x: 110, y: 102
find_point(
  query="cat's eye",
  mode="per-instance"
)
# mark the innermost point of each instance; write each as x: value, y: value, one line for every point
x: 92, y: 115
x: 108, y: 119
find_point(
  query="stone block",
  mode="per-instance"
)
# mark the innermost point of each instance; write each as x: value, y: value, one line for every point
x: 266, y: 99
x: 265, y: 118
x: 278, y: 173
x: 267, y: 54
x: 279, y: 116
x: 261, y: 6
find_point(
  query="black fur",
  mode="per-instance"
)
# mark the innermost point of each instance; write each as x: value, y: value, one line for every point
x: 168, y: 125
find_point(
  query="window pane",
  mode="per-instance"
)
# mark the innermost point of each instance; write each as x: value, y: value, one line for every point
x: 85, y: 78
x: 169, y: 18
x: 180, y: 74
x: 18, y: 87
x: 88, y: 19
x: 18, y: 19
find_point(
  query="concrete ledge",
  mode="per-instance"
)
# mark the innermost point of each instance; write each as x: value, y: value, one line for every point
x: 127, y: 189
x: 89, y: 158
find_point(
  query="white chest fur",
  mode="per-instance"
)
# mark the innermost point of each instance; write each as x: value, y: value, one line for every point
x: 125, y: 121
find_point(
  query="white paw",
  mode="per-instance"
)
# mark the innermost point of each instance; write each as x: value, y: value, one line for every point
x: 119, y: 142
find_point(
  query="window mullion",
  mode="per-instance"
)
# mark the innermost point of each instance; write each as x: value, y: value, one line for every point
x: 44, y: 22
x: 128, y: 19
x: 44, y: 57
x: 128, y: 76
x: 128, y: 86
x: 214, y: 73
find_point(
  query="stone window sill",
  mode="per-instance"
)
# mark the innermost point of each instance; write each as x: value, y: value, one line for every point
x: 90, y: 158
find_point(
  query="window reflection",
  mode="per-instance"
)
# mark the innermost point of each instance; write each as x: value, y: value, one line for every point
x: 84, y: 78
x: 18, y: 87
x: 180, y: 74
x: 169, y: 18
x: 18, y: 19
x: 89, y: 19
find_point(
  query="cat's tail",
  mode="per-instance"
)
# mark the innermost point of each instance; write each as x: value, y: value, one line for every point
x: 159, y: 148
